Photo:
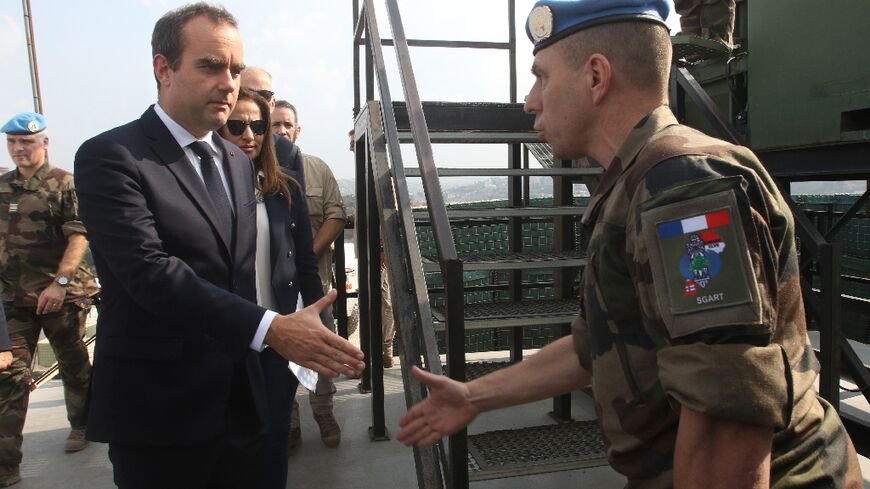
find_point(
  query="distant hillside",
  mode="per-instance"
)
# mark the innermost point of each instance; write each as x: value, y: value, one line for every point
x: 472, y: 189
x: 457, y: 190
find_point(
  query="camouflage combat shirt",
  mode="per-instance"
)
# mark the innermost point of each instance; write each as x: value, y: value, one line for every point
x: 691, y: 297
x: 36, y: 217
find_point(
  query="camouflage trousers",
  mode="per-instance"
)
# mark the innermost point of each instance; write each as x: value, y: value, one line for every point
x: 64, y: 330
x: 711, y: 19
x: 14, y: 397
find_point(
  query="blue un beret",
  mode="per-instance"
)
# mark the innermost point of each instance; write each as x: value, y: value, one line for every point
x: 24, y: 123
x: 551, y: 20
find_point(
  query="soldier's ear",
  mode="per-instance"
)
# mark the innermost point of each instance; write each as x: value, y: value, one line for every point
x: 600, y: 75
x: 45, y: 141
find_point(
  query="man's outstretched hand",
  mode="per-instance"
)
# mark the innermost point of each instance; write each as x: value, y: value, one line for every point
x: 448, y: 409
x: 302, y: 338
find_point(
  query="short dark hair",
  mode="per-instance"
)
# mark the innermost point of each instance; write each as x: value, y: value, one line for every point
x: 166, y: 39
x: 641, y: 51
x: 283, y: 104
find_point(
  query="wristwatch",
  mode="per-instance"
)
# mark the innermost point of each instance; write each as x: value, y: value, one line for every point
x: 62, y: 280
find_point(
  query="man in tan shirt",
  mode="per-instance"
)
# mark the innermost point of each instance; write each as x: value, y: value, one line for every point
x: 328, y: 217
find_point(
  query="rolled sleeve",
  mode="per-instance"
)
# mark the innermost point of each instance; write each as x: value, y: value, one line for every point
x: 739, y: 382
x: 73, y: 227
x: 333, y: 205
x: 72, y: 222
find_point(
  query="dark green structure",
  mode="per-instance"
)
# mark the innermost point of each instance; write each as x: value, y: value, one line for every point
x: 809, y: 73
x: 796, y: 89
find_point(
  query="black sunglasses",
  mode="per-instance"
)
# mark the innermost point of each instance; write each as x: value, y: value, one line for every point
x: 237, y: 127
x: 266, y: 94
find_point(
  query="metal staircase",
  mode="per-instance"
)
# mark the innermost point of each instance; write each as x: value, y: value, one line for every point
x: 423, y: 311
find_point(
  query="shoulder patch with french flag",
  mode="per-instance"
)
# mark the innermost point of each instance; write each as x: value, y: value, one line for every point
x: 701, y: 262
x: 692, y: 224
x: 699, y: 259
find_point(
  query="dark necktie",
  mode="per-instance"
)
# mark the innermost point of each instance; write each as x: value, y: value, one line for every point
x: 214, y: 185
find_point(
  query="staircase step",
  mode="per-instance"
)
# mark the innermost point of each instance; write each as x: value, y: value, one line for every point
x: 476, y: 370
x: 535, y: 450
x: 422, y: 215
x: 508, y: 260
x: 508, y: 172
x: 543, y: 153
x: 469, y: 117
x: 474, y: 137
x: 694, y: 48
x: 511, y: 314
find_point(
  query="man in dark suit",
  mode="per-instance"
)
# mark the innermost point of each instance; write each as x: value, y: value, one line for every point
x: 288, y: 154
x: 169, y: 206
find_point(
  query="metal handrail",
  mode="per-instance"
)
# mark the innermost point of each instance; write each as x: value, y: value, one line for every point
x: 385, y: 147
x: 397, y: 168
x: 451, y: 266
x: 389, y: 164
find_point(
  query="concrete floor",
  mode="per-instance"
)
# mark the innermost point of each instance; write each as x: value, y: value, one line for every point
x: 356, y: 464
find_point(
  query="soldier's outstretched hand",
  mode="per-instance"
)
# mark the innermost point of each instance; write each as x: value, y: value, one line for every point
x: 448, y: 409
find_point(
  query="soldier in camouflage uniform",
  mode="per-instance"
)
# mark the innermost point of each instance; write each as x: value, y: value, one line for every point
x: 711, y: 19
x: 9, y: 368
x: 692, y: 330
x: 46, y: 287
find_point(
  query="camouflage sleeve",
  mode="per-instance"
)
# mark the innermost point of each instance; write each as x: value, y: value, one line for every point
x: 712, y: 283
x: 72, y: 224
x: 580, y: 335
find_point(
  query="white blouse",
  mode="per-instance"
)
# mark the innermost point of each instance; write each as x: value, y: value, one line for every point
x: 265, y: 293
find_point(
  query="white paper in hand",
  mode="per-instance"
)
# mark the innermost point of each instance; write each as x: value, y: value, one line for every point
x: 306, y: 376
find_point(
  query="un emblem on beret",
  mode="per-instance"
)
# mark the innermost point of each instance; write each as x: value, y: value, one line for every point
x: 541, y: 23
x: 32, y: 126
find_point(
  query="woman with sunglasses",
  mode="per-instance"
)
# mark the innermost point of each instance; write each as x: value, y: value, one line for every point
x: 285, y: 263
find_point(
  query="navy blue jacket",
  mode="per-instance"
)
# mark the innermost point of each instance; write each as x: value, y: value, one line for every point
x: 289, y: 157
x: 294, y: 264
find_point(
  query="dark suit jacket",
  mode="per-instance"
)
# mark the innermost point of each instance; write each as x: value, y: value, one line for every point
x: 172, y: 362
x: 289, y: 157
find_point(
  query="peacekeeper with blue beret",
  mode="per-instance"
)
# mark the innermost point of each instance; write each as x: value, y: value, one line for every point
x: 692, y: 331
x: 46, y: 287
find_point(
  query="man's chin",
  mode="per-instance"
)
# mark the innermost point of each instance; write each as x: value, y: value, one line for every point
x: 218, y: 120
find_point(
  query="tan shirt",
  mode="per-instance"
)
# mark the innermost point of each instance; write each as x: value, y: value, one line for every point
x: 324, y: 203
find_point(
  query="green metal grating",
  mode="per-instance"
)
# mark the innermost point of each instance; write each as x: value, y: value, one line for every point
x: 537, y: 235
x: 535, y: 450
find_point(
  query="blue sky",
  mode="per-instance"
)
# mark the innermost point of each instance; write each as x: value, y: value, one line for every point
x: 95, y: 63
